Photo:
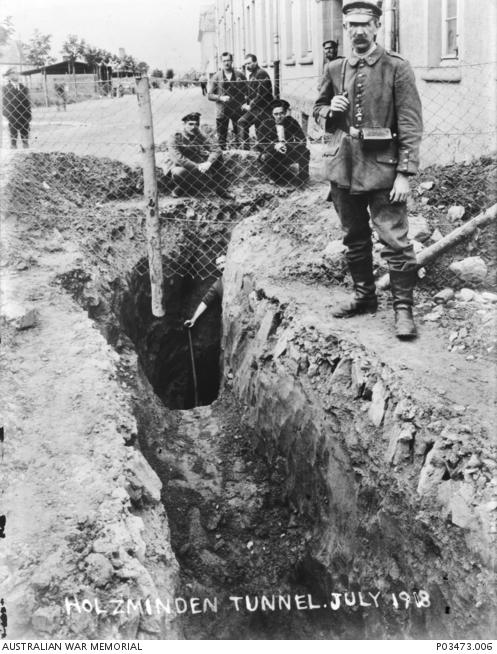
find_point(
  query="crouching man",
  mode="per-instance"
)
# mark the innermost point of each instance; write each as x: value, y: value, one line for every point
x: 370, y: 106
x: 196, y: 166
x: 283, y: 143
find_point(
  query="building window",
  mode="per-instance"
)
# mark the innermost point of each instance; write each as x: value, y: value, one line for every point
x: 449, y: 29
x: 305, y: 30
x: 263, y: 32
x: 289, y: 41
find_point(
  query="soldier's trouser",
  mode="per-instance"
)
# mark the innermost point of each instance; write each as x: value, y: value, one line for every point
x: 222, y: 124
x: 191, y: 181
x: 246, y: 121
x: 276, y: 164
x: 23, y: 130
x: 389, y: 220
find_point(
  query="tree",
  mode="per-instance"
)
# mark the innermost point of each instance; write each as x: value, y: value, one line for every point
x: 169, y: 73
x: 142, y: 67
x: 73, y: 48
x: 157, y: 73
x: 37, y: 50
x: 6, y: 30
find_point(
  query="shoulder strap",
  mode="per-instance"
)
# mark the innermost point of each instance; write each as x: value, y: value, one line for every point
x: 342, y: 75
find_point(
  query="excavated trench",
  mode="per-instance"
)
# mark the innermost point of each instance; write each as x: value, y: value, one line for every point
x: 282, y: 505
x: 232, y: 529
x: 309, y: 480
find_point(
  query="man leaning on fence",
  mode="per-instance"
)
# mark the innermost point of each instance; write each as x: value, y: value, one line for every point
x: 228, y: 90
x: 369, y: 104
x: 16, y: 108
x: 196, y: 166
x: 283, y: 143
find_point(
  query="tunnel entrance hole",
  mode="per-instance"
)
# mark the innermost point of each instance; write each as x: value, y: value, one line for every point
x: 162, y: 343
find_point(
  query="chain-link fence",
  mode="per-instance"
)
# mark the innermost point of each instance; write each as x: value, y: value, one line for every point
x: 217, y: 158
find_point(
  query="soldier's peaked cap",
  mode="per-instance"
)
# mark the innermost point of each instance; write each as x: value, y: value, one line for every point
x: 192, y: 116
x: 361, y: 11
x: 333, y: 44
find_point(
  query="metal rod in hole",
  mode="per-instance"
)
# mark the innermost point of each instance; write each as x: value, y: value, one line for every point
x: 194, y: 372
x: 151, y: 198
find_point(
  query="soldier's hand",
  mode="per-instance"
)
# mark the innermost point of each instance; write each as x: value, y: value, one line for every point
x: 339, y: 104
x: 280, y: 147
x: 224, y: 98
x: 245, y: 107
x: 188, y: 323
x: 204, y: 167
x: 400, y: 189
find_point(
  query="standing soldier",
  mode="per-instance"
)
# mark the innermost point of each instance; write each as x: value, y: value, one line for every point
x: 228, y: 90
x: 16, y: 108
x: 259, y: 98
x: 330, y: 49
x: 370, y: 105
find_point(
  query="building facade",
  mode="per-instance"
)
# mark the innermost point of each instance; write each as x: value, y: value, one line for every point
x: 451, y: 44
x: 207, y: 37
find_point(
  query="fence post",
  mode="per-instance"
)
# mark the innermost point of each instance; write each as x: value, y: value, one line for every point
x: 151, y: 197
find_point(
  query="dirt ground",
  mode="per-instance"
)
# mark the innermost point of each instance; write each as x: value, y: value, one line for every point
x: 73, y: 403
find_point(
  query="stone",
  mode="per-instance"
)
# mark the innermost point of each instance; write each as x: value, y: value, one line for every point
x: 474, y: 462
x: 334, y: 252
x: 436, y: 236
x: 444, y: 295
x: 99, y: 570
x: 455, y: 212
x: 28, y: 320
x: 399, y: 448
x: 143, y: 484
x: 46, y: 619
x: 426, y: 186
x: 460, y: 506
x: 378, y: 402
x: 489, y: 297
x: 471, y: 269
x: 434, y: 315
x: 313, y: 370
x: 465, y: 295
x: 418, y: 228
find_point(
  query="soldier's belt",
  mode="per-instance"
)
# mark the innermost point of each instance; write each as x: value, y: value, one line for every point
x: 373, y: 136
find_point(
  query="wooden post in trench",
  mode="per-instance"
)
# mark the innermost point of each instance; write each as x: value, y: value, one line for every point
x: 151, y: 197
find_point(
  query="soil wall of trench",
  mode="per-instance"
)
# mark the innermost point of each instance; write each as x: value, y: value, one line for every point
x: 384, y: 481
x: 396, y: 470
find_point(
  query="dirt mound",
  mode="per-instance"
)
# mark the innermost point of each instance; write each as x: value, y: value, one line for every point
x: 41, y: 182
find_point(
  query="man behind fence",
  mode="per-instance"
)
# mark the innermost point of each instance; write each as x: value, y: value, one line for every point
x: 282, y: 144
x: 259, y: 98
x: 16, y: 108
x: 195, y: 165
x: 228, y: 90
x: 370, y: 105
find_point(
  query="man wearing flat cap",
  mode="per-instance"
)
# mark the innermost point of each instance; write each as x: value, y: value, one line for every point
x: 16, y: 108
x: 283, y: 143
x: 330, y: 49
x: 371, y: 110
x: 195, y: 164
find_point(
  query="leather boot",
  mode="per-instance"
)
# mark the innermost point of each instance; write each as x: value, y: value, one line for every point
x: 364, y: 299
x: 402, y: 284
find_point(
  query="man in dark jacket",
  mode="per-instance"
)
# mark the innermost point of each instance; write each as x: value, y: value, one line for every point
x: 259, y: 97
x: 370, y: 107
x: 195, y: 165
x: 16, y: 108
x: 214, y: 294
x: 228, y: 90
x: 283, y: 143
